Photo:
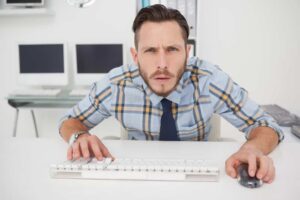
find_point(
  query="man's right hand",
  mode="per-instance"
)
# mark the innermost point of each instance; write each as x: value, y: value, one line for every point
x: 88, y: 146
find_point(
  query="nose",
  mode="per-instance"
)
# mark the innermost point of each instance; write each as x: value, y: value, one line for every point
x: 162, y: 61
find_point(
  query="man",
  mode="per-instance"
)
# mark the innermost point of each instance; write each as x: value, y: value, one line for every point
x: 165, y: 96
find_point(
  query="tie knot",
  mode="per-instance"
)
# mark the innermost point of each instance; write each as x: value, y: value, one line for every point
x: 166, y: 104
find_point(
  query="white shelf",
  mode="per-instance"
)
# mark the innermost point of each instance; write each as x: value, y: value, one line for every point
x: 25, y: 11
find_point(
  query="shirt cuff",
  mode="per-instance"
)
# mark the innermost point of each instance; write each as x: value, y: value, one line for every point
x: 275, y: 127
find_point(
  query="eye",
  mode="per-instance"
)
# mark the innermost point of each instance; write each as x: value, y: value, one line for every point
x: 172, y: 49
x: 150, y: 50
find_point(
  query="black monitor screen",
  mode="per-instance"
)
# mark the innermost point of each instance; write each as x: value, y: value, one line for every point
x: 41, y: 58
x: 98, y: 58
x: 23, y: 1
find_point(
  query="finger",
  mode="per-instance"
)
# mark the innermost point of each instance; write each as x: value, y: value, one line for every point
x: 271, y: 174
x: 84, y: 148
x: 263, y: 167
x: 70, y: 153
x: 105, y: 151
x: 95, y: 148
x: 252, y: 165
x: 230, y: 166
x: 76, y: 150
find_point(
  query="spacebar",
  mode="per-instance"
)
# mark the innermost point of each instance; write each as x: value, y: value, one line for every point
x: 132, y: 175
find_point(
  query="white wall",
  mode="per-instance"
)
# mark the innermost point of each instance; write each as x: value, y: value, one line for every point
x: 255, y: 41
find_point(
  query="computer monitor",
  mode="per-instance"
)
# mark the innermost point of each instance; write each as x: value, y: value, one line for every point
x: 92, y: 61
x: 42, y: 64
x: 24, y: 3
x: 192, y: 44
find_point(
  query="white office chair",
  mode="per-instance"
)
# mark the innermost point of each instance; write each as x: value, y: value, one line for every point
x: 215, y: 132
x: 214, y: 135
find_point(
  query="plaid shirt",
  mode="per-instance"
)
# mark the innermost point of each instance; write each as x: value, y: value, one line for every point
x: 203, y: 89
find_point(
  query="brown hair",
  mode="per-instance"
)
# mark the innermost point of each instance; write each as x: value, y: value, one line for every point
x: 159, y: 13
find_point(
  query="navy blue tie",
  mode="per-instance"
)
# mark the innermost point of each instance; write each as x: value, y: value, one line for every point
x: 168, y: 130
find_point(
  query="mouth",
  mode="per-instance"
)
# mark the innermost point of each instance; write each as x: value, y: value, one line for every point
x: 162, y: 79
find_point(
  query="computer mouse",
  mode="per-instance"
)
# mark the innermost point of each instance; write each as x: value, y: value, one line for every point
x: 245, y: 179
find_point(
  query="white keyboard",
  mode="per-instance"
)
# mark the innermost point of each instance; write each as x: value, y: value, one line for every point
x: 36, y: 92
x: 79, y: 92
x: 137, y: 169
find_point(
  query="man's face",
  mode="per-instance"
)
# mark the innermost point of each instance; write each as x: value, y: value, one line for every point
x: 161, y: 55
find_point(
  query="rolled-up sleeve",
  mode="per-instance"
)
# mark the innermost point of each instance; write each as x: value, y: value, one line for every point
x: 232, y: 102
x: 93, y: 108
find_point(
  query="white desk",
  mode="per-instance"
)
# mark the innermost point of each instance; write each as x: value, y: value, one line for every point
x: 24, y: 172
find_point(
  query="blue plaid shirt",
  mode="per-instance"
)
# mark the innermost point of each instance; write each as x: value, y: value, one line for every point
x: 203, y: 89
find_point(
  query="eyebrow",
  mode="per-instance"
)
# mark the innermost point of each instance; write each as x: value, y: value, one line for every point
x: 172, y: 45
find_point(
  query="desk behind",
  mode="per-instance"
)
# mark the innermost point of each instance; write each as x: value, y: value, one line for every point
x: 36, y: 102
x: 62, y: 101
x: 24, y: 172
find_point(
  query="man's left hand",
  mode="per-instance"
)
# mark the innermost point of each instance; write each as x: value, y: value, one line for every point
x: 259, y: 164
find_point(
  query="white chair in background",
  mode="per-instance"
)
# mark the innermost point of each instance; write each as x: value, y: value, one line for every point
x: 215, y: 131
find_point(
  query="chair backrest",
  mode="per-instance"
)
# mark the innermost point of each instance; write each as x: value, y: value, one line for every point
x: 213, y: 136
x: 124, y: 134
x: 215, y: 131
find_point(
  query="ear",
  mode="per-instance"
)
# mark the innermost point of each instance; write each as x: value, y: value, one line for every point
x: 134, y: 55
